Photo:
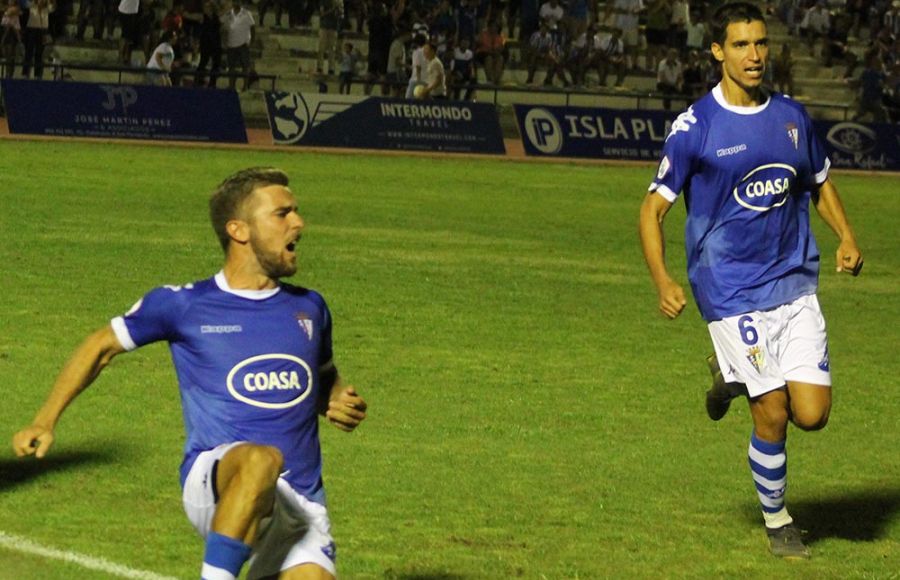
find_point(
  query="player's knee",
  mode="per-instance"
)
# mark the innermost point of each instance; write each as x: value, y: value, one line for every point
x: 811, y: 419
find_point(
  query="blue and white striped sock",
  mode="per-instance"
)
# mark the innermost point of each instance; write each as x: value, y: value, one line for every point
x: 224, y: 557
x: 768, y: 463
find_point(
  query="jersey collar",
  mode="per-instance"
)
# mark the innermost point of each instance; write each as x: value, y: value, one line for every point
x: 222, y: 283
x: 720, y: 98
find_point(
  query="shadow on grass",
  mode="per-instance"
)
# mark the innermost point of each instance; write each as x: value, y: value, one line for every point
x: 15, y: 472
x: 860, y: 516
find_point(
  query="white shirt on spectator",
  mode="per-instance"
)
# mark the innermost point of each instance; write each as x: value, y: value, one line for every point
x: 419, y: 62
x: 669, y: 72
x: 239, y: 27
x: 129, y: 6
x: 551, y: 14
x: 166, y: 54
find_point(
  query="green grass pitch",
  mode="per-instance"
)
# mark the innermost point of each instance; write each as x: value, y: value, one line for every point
x: 531, y: 415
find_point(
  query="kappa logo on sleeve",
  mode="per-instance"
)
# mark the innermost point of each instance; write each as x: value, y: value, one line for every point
x: 683, y: 122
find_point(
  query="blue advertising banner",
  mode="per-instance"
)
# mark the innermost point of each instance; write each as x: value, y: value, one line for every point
x: 856, y: 146
x: 323, y: 120
x: 71, y: 109
x: 593, y: 133
x: 639, y: 135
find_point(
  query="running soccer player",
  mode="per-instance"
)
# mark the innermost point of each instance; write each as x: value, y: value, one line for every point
x: 748, y: 163
x: 254, y: 362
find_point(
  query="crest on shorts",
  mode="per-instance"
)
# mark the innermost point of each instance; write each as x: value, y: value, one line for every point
x: 756, y: 358
x: 306, y: 324
x: 793, y: 134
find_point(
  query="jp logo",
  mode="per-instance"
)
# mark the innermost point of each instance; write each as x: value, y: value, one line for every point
x: 543, y: 131
x: 766, y: 187
x: 290, y: 117
x: 270, y: 381
x: 123, y: 94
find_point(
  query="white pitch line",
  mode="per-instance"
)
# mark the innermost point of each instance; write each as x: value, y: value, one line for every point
x: 24, y: 545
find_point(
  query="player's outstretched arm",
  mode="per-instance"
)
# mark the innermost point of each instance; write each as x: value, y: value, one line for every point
x: 339, y: 403
x: 671, y: 294
x: 80, y: 371
x: 828, y: 204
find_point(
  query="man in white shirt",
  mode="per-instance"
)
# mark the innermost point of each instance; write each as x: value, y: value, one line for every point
x: 160, y: 64
x: 669, y: 76
x: 239, y: 27
x: 435, y: 80
x: 417, y: 72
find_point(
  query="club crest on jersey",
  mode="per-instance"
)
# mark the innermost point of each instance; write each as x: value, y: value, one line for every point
x: 793, y: 134
x: 270, y: 381
x: 766, y: 187
x: 756, y: 357
x: 306, y: 324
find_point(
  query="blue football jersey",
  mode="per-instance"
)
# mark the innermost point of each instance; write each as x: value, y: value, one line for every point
x: 248, y: 367
x: 746, y: 174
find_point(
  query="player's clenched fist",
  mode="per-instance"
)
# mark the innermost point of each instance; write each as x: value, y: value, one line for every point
x: 671, y: 299
x: 33, y: 440
x: 347, y: 409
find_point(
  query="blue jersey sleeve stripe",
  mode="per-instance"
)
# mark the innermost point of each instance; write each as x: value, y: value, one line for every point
x: 122, y: 334
x: 664, y: 191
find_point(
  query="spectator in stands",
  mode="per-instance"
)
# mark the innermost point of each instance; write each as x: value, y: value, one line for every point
x: 815, y: 24
x: 381, y: 31
x: 610, y: 56
x: 837, y: 45
x: 626, y: 16
x: 467, y: 21
x: 159, y: 65
x: 396, y: 64
x: 579, y: 55
x: 210, y: 40
x: 462, y: 71
x: 871, y: 89
x: 530, y: 20
x: 670, y: 77
x: 490, y: 52
x: 239, y: 27
x: 694, y: 76
x: 330, y: 14
x: 578, y: 17
x: 696, y: 32
x: 891, y: 95
x: 543, y: 52
x: 12, y: 36
x: 659, y: 14
x: 349, y: 58
x: 417, y: 66
x: 35, y: 35
x: 129, y: 22
x: 435, y: 81
x: 265, y: 5
x: 192, y: 19
x: 553, y: 13
x: 783, y: 70
x: 90, y: 12
x: 678, y: 24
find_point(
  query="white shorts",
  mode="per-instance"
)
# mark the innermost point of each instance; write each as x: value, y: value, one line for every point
x: 297, y: 532
x: 766, y: 349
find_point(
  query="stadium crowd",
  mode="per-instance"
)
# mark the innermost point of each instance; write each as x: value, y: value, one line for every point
x: 560, y: 43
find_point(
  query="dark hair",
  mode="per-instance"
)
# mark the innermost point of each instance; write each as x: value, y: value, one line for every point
x: 730, y: 13
x: 228, y: 200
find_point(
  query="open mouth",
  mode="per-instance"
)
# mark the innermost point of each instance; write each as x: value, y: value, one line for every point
x: 754, y: 71
x: 292, y: 246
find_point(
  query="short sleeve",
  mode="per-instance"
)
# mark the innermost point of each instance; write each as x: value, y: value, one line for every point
x: 682, y: 148
x: 150, y: 319
x: 818, y: 158
x: 326, y: 354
